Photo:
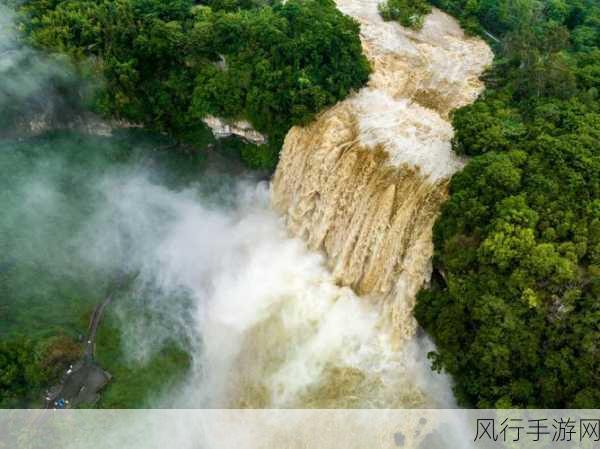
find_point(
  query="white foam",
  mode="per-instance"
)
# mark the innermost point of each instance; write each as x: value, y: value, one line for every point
x: 437, y: 62
x: 409, y: 133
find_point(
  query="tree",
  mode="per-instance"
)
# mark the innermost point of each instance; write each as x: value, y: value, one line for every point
x: 20, y: 376
x: 168, y: 64
x: 516, y: 322
x: 409, y: 13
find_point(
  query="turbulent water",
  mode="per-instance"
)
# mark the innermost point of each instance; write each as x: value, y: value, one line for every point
x: 361, y: 187
x: 364, y: 183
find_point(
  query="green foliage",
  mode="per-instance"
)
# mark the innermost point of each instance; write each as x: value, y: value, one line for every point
x: 56, y: 354
x: 258, y: 157
x: 409, y: 13
x: 20, y: 373
x: 516, y: 319
x: 168, y: 64
x: 135, y: 385
x: 27, y: 367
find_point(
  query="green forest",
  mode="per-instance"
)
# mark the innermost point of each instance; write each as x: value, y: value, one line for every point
x: 515, y: 312
x: 168, y: 64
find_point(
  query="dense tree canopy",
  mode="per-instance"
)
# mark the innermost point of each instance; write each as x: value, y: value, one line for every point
x: 168, y: 63
x: 409, y: 13
x: 516, y: 311
x: 19, y: 372
x: 27, y: 367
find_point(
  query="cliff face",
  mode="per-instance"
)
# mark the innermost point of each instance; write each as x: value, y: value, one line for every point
x: 365, y: 181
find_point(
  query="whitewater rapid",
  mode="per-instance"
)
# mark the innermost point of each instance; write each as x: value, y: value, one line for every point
x: 298, y: 294
x: 302, y: 291
x: 293, y: 295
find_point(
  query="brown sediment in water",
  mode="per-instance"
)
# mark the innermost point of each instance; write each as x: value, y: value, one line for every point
x: 363, y: 185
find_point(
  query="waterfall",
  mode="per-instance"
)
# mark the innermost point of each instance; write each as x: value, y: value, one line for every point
x: 324, y: 319
x: 365, y: 181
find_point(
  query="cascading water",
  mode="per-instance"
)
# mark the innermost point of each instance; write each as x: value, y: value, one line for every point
x: 363, y: 184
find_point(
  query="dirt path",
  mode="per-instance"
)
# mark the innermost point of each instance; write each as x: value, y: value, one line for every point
x: 96, y: 318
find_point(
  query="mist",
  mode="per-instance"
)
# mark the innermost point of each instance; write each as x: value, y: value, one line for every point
x: 260, y: 316
x: 215, y: 272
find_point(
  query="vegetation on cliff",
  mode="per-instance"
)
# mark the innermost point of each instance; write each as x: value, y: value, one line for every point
x: 409, y: 13
x: 168, y: 63
x: 515, y: 313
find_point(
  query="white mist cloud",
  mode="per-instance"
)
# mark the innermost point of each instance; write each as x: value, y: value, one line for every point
x: 252, y: 305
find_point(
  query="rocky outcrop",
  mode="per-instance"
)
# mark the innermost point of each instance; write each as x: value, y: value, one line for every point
x: 241, y: 128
